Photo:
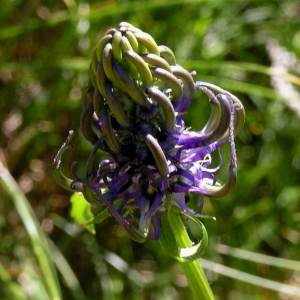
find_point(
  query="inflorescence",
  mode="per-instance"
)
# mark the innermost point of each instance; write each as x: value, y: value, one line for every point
x: 133, y: 108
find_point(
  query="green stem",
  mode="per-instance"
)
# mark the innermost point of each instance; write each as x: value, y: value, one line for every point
x: 192, y: 270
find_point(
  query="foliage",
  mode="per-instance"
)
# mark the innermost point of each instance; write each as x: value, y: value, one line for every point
x: 250, y: 48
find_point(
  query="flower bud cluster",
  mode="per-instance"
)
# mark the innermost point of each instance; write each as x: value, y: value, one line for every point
x: 132, y: 110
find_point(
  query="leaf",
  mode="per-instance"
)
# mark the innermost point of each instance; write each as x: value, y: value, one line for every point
x: 175, y: 239
x: 81, y: 211
x: 167, y: 238
x: 196, y: 251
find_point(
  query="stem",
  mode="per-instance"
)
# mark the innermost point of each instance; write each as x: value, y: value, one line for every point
x: 192, y: 270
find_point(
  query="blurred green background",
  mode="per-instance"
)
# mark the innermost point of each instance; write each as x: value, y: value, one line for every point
x: 250, y: 48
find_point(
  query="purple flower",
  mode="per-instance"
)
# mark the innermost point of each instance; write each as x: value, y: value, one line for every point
x: 133, y: 110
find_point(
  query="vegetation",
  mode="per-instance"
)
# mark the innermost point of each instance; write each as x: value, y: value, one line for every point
x: 250, y: 48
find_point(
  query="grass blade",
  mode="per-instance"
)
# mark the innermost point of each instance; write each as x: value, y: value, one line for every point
x: 37, y: 237
x: 10, y: 286
x: 251, y: 279
x: 259, y: 258
x: 66, y: 272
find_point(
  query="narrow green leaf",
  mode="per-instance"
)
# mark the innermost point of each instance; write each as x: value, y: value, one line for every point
x: 167, y: 238
x: 175, y: 248
x: 37, y: 236
x: 196, y: 251
x: 175, y: 240
x: 251, y: 279
x: 259, y: 258
x: 81, y: 211
x: 66, y: 272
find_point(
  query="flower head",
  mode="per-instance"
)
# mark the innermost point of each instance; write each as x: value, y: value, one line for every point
x: 133, y: 110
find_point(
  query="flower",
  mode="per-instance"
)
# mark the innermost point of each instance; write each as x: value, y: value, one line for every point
x: 133, y: 110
